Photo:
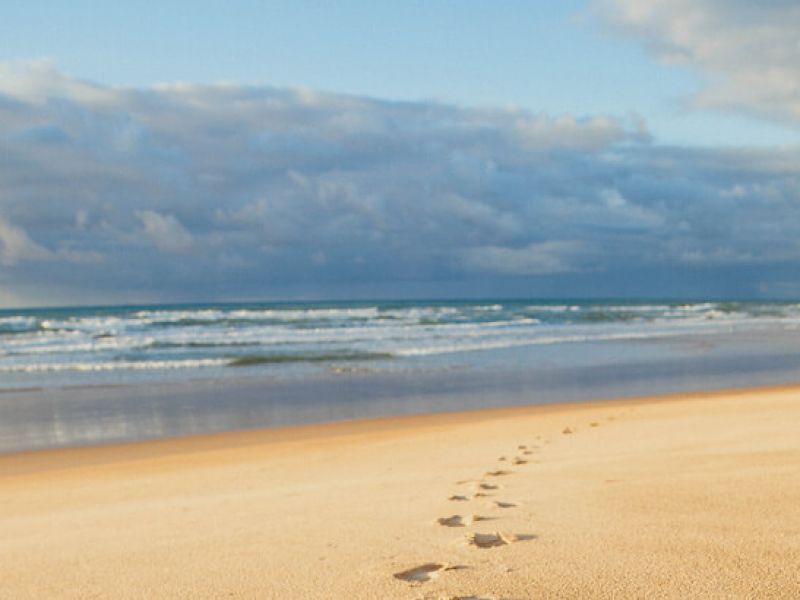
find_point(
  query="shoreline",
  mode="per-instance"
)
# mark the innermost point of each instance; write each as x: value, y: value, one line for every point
x: 14, y: 462
x: 674, y: 496
x: 105, y: 413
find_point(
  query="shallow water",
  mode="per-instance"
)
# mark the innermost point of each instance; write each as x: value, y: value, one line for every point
x: 66, y: 415
x: 137, y: 344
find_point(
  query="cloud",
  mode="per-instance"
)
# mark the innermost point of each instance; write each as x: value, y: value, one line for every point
x: 16, y: 246
x: 555, y: 256
x: 748, y: 51
x: 165, y: 231
x: 190, y: 192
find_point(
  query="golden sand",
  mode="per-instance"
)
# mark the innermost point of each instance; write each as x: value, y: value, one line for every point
x: 685, y: 496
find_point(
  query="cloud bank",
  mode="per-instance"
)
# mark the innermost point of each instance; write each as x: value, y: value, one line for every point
x: 747, y: 50
x: 194, y: 192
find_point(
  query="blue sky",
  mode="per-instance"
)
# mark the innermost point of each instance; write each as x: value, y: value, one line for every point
x: 186, y: 150
x: 554, y: 57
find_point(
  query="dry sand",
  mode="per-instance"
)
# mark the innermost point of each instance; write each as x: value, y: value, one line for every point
x: 680, y: 497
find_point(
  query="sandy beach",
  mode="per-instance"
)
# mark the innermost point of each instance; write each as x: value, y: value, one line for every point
x: 693, y: 495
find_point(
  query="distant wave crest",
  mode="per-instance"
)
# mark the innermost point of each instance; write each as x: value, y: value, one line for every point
x: 269, y: 336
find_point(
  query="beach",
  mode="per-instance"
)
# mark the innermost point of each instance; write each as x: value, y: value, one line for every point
x: 688, y: 495
x: 400, y: 301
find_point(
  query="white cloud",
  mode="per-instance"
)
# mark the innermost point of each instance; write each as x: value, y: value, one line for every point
x: 747, y: 49
x: 38, y: 81
x: 553, y: 256
x: 588, y: 133
x: 165, y: 231
x: 16, y: 246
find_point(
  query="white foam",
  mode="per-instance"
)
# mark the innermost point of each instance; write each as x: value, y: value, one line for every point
x: 114, y: 365
x: 17, y: 323
x: 544, y: 340
x: 196, y: 338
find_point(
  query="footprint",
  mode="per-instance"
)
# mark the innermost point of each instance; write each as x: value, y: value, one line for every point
x: 459, y: 521
x: 527, y: 452
x: 594, y: 424
x: 487, y: 486
x: 479, y: 495
x: 519, y: 461
x: 493, y: 540
x: 522, y: 447
x: 422, y: 573
x: 498, y: 473
x: 567, y: 430
x: 457, y: 498
x: 502, y: 458
x: 454, y: 521
x: 475, y: 518
x: 501, y: 504
x: 487, y: 540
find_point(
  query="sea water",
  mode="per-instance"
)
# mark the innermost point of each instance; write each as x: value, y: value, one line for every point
x: 100, y: 374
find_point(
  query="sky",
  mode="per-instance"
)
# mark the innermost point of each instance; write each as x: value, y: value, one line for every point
x: 251, y: 150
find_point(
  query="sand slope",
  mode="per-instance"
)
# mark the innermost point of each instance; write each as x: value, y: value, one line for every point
x: 689, y: 496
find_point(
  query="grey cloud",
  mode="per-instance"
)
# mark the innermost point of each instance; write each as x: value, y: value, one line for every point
x: 16, y: 246
x: 555, y: 256
x: 165, y: 231
x: 188, y: 192
x: 748, y: 50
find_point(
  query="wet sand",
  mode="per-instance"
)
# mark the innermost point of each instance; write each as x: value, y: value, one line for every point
x: 692, y: 495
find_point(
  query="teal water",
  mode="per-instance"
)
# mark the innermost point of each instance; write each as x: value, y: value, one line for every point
x: 130, y: 344
x: 97, y: 375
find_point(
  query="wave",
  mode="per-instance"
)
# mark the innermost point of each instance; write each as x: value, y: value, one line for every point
x: 545, y: 340
x: 18, y: 324
x: 237, y: 361
x: 271, y: 359
x: 114, y: 365
x: 206, y: 316
x: 90, y: 340
x: 196, y: 321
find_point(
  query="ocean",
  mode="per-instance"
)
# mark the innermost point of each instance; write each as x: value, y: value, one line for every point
x: 101, y: 374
